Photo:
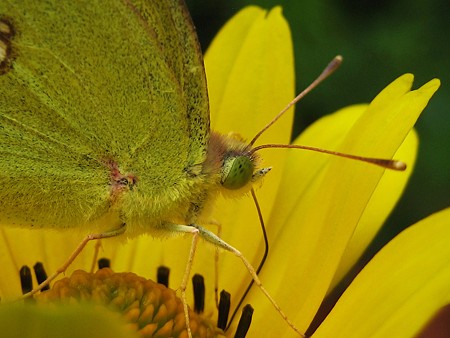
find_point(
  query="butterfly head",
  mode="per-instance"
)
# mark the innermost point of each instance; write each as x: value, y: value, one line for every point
x: 236, y: 167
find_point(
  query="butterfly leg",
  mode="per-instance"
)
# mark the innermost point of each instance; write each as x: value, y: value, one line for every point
x: 75, y: 253
x: 218, y: 242
x: 195, y: 236
x: 98, y: 245
x: 216, y: 262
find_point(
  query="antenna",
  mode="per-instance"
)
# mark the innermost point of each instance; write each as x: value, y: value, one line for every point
x: 332, y: 66
x: 385, y: 163
x: 329, y: 69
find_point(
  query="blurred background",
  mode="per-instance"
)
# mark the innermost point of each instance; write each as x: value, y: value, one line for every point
x: 379, y: 40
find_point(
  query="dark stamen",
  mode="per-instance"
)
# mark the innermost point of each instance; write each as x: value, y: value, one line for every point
x: 25, y: 279
x: 199, y: 293
x: 224, y: 309
x: 41, y: 275
x: 244, y: 322
x: 162, y: 276
x: 104, y: 263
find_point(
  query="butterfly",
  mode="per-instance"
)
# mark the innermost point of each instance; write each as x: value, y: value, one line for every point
x: 104, y: 122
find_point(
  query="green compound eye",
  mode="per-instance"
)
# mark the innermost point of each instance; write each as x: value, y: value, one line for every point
x: 237, y: 172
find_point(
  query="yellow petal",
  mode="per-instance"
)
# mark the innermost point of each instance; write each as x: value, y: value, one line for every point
x: 383, y: 200
x: 304, y: 167
x: 403, y: 286
x: 312, y: 236
x: 250, y: 72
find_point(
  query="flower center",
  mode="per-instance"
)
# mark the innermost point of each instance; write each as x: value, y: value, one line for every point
x: 150, y: 308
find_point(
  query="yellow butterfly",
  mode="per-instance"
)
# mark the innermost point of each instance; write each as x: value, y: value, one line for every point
x: 104, y: 122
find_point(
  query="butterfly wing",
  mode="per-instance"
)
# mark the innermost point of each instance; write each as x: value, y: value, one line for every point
x: 89, y: 87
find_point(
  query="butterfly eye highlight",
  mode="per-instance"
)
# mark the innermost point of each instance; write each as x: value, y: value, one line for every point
x: 237, y: 171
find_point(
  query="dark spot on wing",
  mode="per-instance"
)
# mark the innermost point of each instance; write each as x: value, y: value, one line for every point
x: 7, y: 52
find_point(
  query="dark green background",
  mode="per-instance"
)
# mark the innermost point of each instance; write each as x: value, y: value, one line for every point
x: 379, y: 40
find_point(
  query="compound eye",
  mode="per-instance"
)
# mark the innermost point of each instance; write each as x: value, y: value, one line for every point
x: 237, y: 172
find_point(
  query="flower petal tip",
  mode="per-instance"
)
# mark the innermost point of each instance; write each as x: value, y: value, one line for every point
x: 433, y: 84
